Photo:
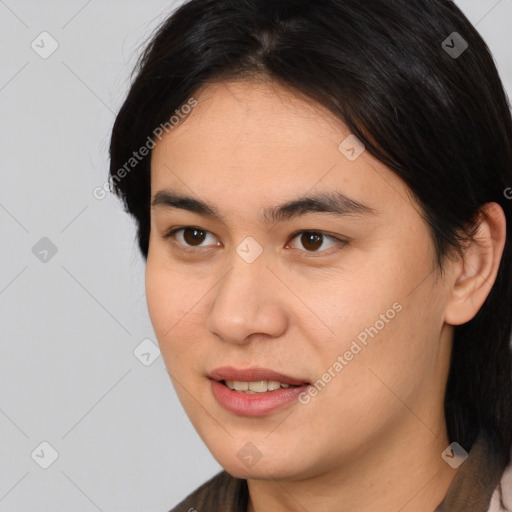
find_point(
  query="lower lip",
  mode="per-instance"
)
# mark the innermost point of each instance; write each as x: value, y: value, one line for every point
x: 248, y: 404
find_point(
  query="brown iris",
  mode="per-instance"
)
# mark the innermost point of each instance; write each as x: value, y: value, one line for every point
x: 311, y: 240
x: 191, y: 235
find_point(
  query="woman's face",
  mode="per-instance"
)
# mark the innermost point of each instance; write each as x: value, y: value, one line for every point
x: 320, y: 291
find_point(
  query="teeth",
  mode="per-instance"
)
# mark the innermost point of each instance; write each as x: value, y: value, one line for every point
x: 272, y: 385
x: 260, y: 386
x: 240, y: 386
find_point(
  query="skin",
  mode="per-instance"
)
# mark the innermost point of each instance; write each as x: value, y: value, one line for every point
x: 374, y: 435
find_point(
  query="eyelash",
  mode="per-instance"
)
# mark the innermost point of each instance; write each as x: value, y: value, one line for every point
x: 294, y: 235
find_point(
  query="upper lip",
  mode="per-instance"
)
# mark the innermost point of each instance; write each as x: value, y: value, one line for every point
x: 253, y: 375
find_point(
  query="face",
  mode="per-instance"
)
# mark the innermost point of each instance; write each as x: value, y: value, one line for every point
x: 289, y: 253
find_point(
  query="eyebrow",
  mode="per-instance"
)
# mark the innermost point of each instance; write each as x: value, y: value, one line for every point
x: 331, y: 202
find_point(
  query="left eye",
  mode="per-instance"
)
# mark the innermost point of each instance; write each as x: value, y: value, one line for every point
x: 314, y: 240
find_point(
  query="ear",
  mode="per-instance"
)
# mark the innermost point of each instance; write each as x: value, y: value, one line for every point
x: 475, y: 274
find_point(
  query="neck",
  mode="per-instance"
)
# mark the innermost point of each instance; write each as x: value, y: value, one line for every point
x: 404, y: 472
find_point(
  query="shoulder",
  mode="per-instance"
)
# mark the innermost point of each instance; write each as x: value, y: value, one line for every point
x: 502, y: 498
x: 222, y: 492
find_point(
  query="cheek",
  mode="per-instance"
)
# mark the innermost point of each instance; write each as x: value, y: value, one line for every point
x: 167, y: 304
x: 159, y: 297
x: 175, y: 305
x: 344, y: 302
x: 388, y: 358
x: 373, y: 317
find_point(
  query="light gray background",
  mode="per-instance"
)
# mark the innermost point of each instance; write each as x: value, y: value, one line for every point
x: 69, y: 326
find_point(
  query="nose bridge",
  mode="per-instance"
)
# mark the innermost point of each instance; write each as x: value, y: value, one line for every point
x: 246, y: 302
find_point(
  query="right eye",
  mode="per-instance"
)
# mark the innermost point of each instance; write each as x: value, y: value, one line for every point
x: 189, y: 237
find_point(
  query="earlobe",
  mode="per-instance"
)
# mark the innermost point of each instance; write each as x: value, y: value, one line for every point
x: 475, y: 275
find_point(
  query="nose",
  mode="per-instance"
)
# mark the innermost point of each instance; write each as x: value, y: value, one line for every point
x: 249, y: 301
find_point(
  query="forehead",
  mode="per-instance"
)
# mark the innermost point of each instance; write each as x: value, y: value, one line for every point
x: 252, y: 112
x: 253, y: 141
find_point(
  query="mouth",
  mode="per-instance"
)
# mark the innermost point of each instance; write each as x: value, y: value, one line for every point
x: 256, y: 387
x: 254, y: 391
x: 255, y: 380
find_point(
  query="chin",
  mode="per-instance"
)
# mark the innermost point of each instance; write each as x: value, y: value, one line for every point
x: 279, y: 469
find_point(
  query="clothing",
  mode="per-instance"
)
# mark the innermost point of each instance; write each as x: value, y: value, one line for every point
x: 480, y: 485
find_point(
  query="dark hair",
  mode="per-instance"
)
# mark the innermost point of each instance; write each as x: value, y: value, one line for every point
x: 440, y: 121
